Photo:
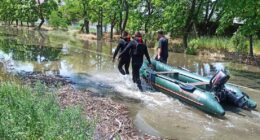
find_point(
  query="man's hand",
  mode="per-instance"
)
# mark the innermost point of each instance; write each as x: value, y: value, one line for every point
x: 151, y: 66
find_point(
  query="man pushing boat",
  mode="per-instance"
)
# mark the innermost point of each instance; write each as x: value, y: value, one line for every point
x: 137, y: 50
x: 124, y: 61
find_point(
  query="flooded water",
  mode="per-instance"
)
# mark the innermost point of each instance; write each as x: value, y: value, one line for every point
x: 89, y: 65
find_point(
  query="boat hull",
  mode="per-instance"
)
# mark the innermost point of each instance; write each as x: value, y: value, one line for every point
x: 200, y: 97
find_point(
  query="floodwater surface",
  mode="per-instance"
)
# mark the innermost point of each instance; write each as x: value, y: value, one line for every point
x: 89, y: 65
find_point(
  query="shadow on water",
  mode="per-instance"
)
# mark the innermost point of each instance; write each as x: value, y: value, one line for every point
x: 235, y: 110
x: 254, y: 76
x: 248, y: 74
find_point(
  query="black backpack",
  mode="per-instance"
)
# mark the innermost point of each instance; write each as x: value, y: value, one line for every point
x: 138, y: 49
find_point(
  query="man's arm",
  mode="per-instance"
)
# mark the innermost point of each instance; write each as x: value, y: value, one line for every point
x: 159, y: 49
x: 120, y: 44
x: 129, y: 45
x: 158, y: 53
x: 116, y: 51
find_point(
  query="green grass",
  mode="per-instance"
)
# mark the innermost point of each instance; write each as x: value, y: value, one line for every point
x: 211, y: 43
x: 30, y: 114
x: 219, y: 43
x: 257, y: 46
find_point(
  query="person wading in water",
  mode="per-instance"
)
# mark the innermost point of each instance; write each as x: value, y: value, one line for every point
x: 124, y: 60
x: 137, y: 51
x: 162, y: 49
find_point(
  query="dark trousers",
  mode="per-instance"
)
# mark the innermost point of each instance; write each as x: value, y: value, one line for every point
x: 125, y: 63
x: 162, y: 59
x: 136, y: 75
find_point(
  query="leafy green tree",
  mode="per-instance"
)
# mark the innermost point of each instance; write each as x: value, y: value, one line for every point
x: 247, y: 13
x: 44, y: 9
x: 56, y: 20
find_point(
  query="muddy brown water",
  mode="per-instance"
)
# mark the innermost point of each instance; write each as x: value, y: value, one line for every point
x: 89, y: 65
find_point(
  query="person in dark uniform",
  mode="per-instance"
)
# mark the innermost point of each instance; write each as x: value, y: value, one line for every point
x: 162, y: 49
x: 124, y: 60
x: 137, y: 51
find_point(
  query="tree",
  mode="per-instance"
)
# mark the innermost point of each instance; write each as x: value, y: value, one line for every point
x: 245, y: 12
x: 44, y: 9
x: 56, y: 20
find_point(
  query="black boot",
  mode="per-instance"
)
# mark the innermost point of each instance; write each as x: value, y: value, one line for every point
x: 140, y: 87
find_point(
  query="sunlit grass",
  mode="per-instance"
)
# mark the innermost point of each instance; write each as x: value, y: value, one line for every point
x: 257, y: 46
x: 219, y: 43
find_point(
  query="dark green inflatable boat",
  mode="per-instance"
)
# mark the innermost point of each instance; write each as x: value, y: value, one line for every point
x: 201, y: 92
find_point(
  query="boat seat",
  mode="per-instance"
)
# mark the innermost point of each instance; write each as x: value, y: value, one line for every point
x: 198, y: 83
x: 189, y: 88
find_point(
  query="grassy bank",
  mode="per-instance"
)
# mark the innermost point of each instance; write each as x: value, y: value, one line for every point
x: 222, y: 44
x: 28, y: 113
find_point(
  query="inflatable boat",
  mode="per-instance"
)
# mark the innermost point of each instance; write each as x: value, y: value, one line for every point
x: 206, y: 94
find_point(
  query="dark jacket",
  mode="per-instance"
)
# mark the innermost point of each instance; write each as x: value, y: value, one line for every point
x: 137, y: 50
x: 163, y: 44
x: 120, y: 47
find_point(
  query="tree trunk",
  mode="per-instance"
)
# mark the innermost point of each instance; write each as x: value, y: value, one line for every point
x: 86, y: 21
x: 101, y: 21
x: 40, y: 25
x: 111, y: 32
x: 251, y: 51
x: 41, y: 15
x: 185, y: 40
x: 188, y: 24
x: 120, y: 23
x: 17, y: 23
x: 86, y: 24
x: 124, y: 22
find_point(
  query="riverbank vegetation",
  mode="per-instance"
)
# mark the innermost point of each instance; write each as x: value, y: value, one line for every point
x: 224, y: 44
x: 35, y: 114
x: 41, y: 106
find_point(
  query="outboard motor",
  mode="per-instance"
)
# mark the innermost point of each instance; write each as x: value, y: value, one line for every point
x: 218, y: 81
x: 217, y: 84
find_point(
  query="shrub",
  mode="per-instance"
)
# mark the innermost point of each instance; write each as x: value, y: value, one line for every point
x: 191, y: 51
x: 57, y: 21
x: 239, y: 43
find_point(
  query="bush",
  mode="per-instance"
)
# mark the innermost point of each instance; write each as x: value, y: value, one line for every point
x: 57, y: 21
x: 27, y: 114
x: 191, y: 51
x: 239, y: 43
